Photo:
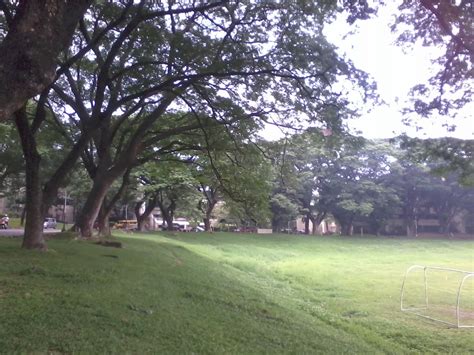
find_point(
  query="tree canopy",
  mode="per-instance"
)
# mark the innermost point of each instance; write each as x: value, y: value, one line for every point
x: 448, y: 25
x: 117, y: 86
x: 33, y: 34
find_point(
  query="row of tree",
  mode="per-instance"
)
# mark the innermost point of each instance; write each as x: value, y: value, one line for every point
x: 113, y: 86
x: 138, y: 76
x: 371, y: 184
x: 381, y: 186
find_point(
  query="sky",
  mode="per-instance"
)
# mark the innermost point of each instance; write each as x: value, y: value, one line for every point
x: 372, y: 49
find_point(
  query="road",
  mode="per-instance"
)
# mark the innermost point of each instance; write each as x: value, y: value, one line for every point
x: 12, y: 232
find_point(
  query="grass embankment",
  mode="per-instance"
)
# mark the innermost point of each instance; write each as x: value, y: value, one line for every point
x: 221, y: 293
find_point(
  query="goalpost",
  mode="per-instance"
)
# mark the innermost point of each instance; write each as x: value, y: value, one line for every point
x: 452, y: 300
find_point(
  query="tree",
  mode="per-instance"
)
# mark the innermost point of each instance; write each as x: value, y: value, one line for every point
x: 236, y: 61
x: 284, y: 210
x: 37, y: 31
x: 118, y: 191
x: 447, y: 200
x: 49, y: 157
x: 231, y: 168
x: 131, y: 65
x: 447, y: 24
x: 444, y: 155
x: 343, y: 176
x: 176, y: 187
x: 428, y: 188
x: 166, y: 185
x: 306, y: 165
x: 210, y: 188
x: 313, y: 155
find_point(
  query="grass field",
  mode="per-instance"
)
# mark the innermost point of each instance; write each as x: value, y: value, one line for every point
x: 224, y: 293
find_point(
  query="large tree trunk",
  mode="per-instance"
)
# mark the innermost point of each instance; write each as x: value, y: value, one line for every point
x: 33, y: 238
x: 103, y: 221
x: 38, y: 197
x: 92, y: 206
x: 37, y: 34
x: 107, y: 207
x: 142, y: 218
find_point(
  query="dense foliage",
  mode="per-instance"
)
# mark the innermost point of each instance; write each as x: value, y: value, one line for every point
x: 137, y: 82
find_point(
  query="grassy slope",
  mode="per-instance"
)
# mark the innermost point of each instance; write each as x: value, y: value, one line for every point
x: 221, y: 293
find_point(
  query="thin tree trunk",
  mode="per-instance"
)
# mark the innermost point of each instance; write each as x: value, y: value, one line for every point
x: 23, y: 215
x: 207, y: 218
x: 140, y: 220
x: 141, y: 223
x: 207, y: 207
x: 167, y: 216
x: 446, y: 222
x: 169, y: 223
x: 207, y: 224
x: 143, y: 217
x: 315, y: 225
x: 306, y: 225
x: 167, y: 212
x: 411, y: 228
x: 347, y: 228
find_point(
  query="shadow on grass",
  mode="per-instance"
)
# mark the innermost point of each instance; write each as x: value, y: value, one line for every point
x: 152, y: 295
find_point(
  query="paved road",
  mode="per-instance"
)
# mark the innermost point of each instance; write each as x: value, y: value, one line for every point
x: 11, y: 232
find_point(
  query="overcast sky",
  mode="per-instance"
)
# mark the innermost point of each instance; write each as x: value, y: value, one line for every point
x: 373, y: 50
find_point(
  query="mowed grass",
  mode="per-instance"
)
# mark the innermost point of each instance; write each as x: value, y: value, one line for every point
x: 223, y: 293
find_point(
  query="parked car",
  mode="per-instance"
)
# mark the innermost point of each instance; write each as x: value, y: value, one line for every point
x: 176, y: 227
x: 49, y: 223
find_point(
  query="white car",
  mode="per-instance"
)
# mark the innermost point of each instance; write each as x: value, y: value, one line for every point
x: 49, y: 223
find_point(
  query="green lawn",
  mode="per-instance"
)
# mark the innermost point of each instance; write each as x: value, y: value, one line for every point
x: 223, y: 293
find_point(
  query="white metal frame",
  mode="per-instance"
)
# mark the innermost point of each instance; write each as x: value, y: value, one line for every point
x: 416, y: 310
